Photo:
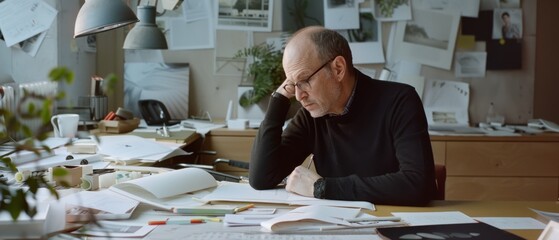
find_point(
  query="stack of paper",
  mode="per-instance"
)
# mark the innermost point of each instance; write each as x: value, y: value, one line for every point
x: 26, y: 227
x: 102, y: 205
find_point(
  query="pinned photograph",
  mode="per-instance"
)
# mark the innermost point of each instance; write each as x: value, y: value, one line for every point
x: 365, y: 42
x: 341, y: 14
x: 392, y: 10
x: 165, y: 82
x: 470, y: 64
x: 466, y: 8
x: 247, y: 15
x: 427, y: 39
x: 507, y: 23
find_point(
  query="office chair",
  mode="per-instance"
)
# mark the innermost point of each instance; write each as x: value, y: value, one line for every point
x: 440, y: 179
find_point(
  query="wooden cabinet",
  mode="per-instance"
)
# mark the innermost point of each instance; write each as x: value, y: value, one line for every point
x: 478, y: 167
x: 500, y: 168
x: 229, y: 144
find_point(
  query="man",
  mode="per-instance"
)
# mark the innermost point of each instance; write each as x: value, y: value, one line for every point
x: 509, y: 30
x: 368, y: 138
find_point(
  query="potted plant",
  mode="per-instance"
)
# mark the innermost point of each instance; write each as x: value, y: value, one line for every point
x: 16, y: 200
x: 265, y: 71
x: 387, y: 6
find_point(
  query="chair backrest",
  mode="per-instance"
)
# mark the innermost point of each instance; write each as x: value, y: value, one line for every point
x: 440, y: 179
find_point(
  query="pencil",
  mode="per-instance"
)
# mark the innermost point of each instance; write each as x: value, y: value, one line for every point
x: 310, y: 162
x: 243, y: 208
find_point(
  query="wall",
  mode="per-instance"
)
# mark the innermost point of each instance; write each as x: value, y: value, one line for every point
x: 511, y: 91
x: 58, y: 49
x: 547, y: 84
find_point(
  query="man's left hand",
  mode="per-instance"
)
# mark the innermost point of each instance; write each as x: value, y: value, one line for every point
x: 301, y: 181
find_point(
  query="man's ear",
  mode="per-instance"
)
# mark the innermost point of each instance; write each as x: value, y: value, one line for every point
x: 339, y: 68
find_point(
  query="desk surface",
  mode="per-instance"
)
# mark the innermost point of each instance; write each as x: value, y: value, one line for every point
x: 483, y: 209
x: 544, y: 137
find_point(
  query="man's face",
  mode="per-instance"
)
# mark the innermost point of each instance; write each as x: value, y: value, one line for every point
x: 318, y: 92
x: 506, y: 19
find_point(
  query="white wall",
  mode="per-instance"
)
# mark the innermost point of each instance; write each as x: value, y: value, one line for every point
x: 58, y: 49
x: 511, y: 91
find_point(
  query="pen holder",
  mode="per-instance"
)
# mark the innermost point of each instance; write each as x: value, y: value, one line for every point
x: 118, y: 126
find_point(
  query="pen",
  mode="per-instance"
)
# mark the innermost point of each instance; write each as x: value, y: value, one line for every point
x: 373, y: 219
x: 165, y: 130
x: 243, y: 208
x: 176, y: 222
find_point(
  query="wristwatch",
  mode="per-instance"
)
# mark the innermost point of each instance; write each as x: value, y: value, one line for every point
x: 319, y: 188
x: 276, y: 94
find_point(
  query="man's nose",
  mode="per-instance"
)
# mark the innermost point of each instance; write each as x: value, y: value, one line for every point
x: 300, y: 94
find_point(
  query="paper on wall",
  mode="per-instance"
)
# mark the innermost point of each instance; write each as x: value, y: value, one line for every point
x: 23, y: 19
x: 446, y: 103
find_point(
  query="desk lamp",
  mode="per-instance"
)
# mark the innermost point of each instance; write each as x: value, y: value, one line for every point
x: 102, y: 15
x: 97, y: 16
x: 146, y: 34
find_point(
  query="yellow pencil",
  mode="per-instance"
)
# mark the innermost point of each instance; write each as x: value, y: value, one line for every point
x: 243, y: 208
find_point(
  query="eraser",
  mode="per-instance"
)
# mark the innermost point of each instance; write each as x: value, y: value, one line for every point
x: 237, y: 124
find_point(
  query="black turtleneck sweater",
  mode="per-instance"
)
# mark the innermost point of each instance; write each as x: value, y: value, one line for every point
x: 379, y: 151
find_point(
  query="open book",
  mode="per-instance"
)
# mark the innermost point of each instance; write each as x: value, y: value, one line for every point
x: 320, y: 218
x: 168, y: 190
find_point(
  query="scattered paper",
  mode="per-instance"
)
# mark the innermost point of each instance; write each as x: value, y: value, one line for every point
x: 554, y: 216
x: 512, y: 222
x: 432, y: 218
x: 114, y: 229
x: 104, y: 200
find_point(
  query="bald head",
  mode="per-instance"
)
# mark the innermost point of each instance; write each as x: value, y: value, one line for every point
x: 318, y: 42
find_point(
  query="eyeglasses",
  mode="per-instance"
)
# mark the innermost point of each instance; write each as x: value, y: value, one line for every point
x: 304, y: 85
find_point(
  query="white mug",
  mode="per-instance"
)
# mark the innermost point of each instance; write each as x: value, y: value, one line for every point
x: 65, y: 125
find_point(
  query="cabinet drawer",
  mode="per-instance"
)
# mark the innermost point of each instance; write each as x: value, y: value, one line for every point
x: 502, y: 159
x: 439, y: 151
x: 502, y: 188
x: 237, y: 148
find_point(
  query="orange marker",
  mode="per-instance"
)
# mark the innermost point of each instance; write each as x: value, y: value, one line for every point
x: 176, y: 222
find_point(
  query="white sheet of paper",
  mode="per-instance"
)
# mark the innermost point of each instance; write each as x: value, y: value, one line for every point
x: 104, y: 200
x: 22, y: 19
x: 446, y: 103
x: 512, y: 222
x: 236, y: 220
x: 402, y: 12
x: 470, y: 64
x: 368, y: 49
x: 549, y: 215
x: 341, y: 14
x: 427, y: 39
x: 431, y: 218
x: 114, y: 229
x: 31, y: 45
x: 468, y: 8
x: 211, y: 231
x: 242, y: 192
x: 126, y: 147
x: 310, y: 217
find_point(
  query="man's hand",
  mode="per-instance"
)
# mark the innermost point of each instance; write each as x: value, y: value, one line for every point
x: 282, y: 91
x: 301, y: 181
